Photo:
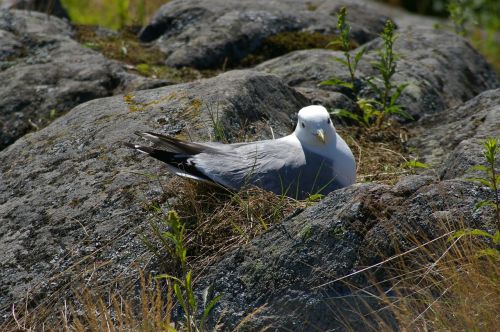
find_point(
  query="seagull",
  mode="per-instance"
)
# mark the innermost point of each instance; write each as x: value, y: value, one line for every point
x: 314, y: 159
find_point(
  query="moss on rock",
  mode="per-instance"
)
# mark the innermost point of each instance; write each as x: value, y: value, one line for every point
x: 145, y: 59
x: 286, y: 42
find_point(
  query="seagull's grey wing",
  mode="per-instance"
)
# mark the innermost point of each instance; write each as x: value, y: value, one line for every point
x: 268, y: 164
x: 278, y: 166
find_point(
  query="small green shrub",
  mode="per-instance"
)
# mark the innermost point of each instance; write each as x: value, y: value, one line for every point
x: 389, y: 93
x: 344, y: 43
x: 490, y: 178
x: 174, y: 237
x: 371, y: 111
x: 479, y: 21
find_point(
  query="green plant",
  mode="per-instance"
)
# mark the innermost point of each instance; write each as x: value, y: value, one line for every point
x: 370, y: 111
x: 141, y: 12
x: 183, y: 285
x: 413, y: 165
x: 491, y: 178
x: 457, y: 12
x: 122, y: 11
x: 216, y: 121
x: 479, y: 21
x: 365, y: 117
x: 350, y: 62
x: 389, y: 93
x: 495, y: 239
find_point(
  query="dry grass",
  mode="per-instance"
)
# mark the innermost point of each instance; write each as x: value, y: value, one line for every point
x: 218, y: 221
x: 118, y: 314
x: 451, y: 289
x: 379, y: 154
x: 438, y: 285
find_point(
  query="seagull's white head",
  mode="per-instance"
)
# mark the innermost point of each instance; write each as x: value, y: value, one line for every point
x: 314, y: 126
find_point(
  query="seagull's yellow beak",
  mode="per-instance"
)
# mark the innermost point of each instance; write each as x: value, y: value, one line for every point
x: 320, y: 134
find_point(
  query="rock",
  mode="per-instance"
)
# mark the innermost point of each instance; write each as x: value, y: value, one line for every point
x: 452, y: 141
x: 45, y: 73
x: 72, y: 196
x: 284, y: 278
x: 441, y: 68
x: 207, y: 34
x: 51, y: 7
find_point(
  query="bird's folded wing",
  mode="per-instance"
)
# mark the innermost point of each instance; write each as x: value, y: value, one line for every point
x: 241, y: 164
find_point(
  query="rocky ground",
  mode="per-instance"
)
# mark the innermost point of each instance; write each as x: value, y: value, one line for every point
x: 73, y: 199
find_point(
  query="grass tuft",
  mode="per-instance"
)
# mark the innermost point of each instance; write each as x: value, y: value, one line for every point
x: 217, y: 220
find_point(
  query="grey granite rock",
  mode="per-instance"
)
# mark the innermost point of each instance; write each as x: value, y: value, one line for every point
x: 45, y: 73
x: 205, y: 34
x: 72, y: 196
x: 283, y: 280
x: 452, y: 141
x: 49, y: 7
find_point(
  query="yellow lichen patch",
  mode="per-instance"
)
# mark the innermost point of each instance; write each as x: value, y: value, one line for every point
x: 133, y: 106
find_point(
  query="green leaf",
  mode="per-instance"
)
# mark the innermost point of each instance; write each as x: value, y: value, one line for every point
x: 315, y: 197
x: 167, y: 276
x: 398, y: 110
x: 358, y: 56
x: 208, y: 309
x: 337, y: 82
x: 482, y: 181
x: 473, y: 232
x: 342, y: 61
x: 189, y: 291
x: 342, y: 113
x: 480, y: 168
x: 490, y: 252
x: 180, y: 297
x: 485, y: 203
x: 373, y: 85
x: 415, y: 164
x: 335, y: 43
x: 397, y: 93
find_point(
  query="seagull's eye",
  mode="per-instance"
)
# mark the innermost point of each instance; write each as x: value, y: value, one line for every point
x: 328, y: 121
x: 303, y: 125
